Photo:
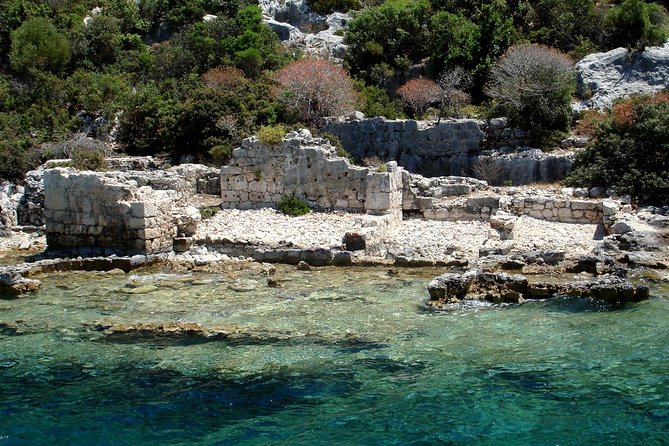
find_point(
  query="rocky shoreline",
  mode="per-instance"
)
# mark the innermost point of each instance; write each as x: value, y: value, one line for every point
x: 319, y: 239
x: 192, y: 216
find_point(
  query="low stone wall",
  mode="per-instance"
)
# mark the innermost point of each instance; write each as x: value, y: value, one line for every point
x: 555, y: 209
x: 107, y: 211
x: 451, y: 148
x: 260, y: 175
x: 484, y: 204
x: 429, y: 150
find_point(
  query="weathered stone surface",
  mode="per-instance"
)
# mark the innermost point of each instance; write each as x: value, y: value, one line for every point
x: 260, y: 176
x: 13, y: 283
x: 503, y: 287
x: 451, y: 148
x: 298, y: 26
x: 619, y: 73
x: 451, y: 286
x: 106, y: 211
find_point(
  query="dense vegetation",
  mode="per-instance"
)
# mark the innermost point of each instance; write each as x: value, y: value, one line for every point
x: 630, y: 150
x: 156, y: 77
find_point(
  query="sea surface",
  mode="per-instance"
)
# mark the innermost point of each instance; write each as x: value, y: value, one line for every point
x: 332, y: 357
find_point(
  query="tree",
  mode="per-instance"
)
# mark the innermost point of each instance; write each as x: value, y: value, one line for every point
x: 630, y: 151
x: 316, y: 88
x: 13, y: 13
x: 387, y: 38
x: 37, y: 44
x: 455, y: 40
x: 635, y: 24
x: 453, y: 97
x: 419, y: 94
x: 533, y: 85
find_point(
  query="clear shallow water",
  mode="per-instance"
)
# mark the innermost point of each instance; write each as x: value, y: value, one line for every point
x: 334, y: 357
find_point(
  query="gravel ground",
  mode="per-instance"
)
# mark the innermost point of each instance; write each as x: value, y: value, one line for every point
x: 530, y: 234
x: 413, y: 238
x: 272, y: 228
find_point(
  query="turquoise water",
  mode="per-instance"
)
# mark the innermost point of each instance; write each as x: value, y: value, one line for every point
x: 333, y: 357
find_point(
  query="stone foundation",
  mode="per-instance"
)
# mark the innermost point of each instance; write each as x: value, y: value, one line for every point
x: 107, y: 211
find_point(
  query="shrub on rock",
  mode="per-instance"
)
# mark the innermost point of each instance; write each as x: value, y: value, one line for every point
x: 630, y: 151
x: 293, y: 206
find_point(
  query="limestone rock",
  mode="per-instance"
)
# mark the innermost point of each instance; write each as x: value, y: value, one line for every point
x: 298, y: 26
x: 619, y: 73
x: 450, y: 286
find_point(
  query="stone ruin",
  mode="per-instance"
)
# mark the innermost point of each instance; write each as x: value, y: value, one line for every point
x: 141, y: 209
x: 123, y: 212
x: 260, y: 175
x: 452, y: 148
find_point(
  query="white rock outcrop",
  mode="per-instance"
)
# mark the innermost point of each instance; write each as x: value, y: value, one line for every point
x: 300, y: 27
x: 619, y: 73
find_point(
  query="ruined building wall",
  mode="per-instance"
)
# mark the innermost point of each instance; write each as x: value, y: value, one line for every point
x: 106, y: 212
x: 260, y: 175
x: 451, y: 148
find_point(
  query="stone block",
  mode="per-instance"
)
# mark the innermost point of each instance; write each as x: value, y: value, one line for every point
x: 580, y: 204
x: 136, y: 223
x: 609, y: 208
x: 238, y: 183
x: 480, y: 202
x: 564, y: 213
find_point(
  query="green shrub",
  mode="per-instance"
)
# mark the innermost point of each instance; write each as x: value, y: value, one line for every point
x: 533, y: 85
x: 37, y: 44
x: 272, y: 135
x: 293, y: 206
x: 324, y: 7
x: 83, y: 159
x: 221, y: 153
x: 376, y: 102
x: 383, y: 38
x: 382, y: 168
x: 630, y: 151
x: 209, y: 211
x: 636, y: 24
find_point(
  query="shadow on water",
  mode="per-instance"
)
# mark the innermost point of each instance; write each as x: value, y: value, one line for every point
x: 564, y: 304
x: 141, y: 403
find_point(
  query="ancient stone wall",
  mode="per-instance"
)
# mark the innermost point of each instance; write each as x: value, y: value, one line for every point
x: 107, y: 212
x: 260, y: 175
x: 458, y: 198
x: 561, y: 209
x: 451, y: 148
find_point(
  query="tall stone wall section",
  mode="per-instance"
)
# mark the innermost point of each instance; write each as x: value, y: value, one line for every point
x: 106, y: 213
x: 260, y: 175
x: 450, y: 148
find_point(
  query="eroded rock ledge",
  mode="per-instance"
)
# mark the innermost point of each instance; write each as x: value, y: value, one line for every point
x: 451, y: 288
